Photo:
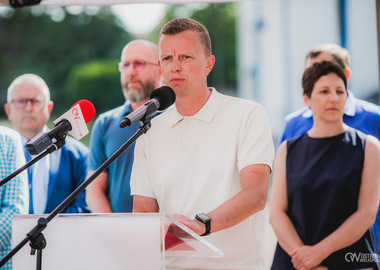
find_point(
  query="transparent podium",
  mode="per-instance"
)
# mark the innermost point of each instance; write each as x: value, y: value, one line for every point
x: 108, y: 241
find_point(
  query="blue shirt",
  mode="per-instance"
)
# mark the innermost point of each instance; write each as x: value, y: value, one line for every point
x: 14, y: 195
x: 359, y: 114
x: 106, y: 138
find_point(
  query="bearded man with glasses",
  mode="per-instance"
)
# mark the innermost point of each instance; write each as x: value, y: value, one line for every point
x: 139, y: 76
x: 53, y: 178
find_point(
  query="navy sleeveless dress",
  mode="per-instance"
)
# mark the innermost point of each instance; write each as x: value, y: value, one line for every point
x: 323, y: 181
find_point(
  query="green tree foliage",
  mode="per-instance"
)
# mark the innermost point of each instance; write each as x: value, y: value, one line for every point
x: 220, y: 20
x: 34, y: 40
x: 77, y: 54
x: 98, y: 82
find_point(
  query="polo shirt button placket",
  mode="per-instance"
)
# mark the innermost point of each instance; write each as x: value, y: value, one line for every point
x: 187, y: 136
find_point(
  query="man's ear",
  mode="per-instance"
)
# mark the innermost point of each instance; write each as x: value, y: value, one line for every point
x: 347, y: 72
x: 7, y: 109
x: 50, y: 106
x: 210, y: 64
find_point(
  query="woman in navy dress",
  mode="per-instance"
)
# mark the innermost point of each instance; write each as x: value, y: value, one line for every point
x: 325, y: 192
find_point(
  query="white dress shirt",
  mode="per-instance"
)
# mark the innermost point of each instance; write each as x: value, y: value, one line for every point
x: 40, y: 180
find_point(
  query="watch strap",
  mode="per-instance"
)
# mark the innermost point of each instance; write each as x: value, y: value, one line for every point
x: 206, y: 220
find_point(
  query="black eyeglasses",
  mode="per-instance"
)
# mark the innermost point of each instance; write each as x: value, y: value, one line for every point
x: 21, y: 103
x: 138, y: 65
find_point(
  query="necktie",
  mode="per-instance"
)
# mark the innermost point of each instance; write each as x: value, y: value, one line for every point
x: 28, y: 158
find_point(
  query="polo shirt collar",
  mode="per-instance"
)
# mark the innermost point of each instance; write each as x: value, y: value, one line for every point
x: 205, y: 114
x: 349, y: 109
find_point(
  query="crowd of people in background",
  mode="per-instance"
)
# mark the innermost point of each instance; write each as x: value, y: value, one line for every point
x: 212, y: 178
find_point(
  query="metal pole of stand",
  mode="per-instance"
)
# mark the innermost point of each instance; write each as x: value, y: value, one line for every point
x: 38, y: 241
x: 39, y: 259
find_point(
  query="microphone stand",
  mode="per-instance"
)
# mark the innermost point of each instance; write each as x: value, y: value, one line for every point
x: 35, y: 236
x: 55, y: 146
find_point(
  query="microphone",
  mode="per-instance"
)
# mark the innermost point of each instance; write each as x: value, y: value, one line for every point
x: 160, y: 99
x: 73, y: 122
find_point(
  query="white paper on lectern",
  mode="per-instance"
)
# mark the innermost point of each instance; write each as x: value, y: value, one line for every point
x: 75, y: 117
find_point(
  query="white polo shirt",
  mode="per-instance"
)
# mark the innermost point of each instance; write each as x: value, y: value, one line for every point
x: 191, y: 165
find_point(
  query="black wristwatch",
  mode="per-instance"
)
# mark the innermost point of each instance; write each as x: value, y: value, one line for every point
x: 206, y: 220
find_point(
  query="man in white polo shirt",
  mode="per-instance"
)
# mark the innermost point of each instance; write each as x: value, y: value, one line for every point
x: 207, y: 160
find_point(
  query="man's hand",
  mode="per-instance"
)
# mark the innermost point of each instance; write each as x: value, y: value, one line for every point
x: 193, y: 224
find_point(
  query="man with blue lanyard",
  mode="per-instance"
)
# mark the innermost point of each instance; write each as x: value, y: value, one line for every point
x: 139, y: 76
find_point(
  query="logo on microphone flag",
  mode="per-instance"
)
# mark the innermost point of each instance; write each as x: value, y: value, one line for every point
x: 78, y: 124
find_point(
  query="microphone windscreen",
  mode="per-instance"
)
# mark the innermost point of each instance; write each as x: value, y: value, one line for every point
x: 88, y: 110
x: 165, y: 95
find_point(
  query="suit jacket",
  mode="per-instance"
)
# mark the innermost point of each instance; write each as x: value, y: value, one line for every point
x: 68, y: 170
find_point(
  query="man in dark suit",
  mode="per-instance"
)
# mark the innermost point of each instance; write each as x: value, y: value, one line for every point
x: 56, y: 176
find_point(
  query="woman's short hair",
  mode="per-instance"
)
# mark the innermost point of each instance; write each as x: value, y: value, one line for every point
x: 316, y: 71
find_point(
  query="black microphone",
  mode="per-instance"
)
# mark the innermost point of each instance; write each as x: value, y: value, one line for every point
x: 38, y: 145
x: 74, y: 120
x: 160, y: 99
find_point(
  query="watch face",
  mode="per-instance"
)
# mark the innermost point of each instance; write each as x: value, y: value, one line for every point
x: 204, y: 217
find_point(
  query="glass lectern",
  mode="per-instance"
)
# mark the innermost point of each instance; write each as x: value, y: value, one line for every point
x: 109, y: 241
